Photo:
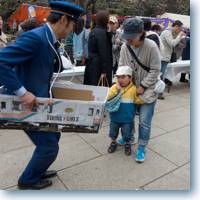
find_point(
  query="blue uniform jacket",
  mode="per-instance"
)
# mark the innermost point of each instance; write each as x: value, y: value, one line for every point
x: 28, y: 62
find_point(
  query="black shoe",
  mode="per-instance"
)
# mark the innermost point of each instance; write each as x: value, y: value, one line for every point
x: 37, y: 186
x: 49, y: 174
x: 127, y: 149
x: 168, y: 82
x: 183, y: 80
x: 161, y: 97
x: 112, y: 148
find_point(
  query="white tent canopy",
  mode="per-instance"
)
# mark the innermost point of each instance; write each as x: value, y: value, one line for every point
x: 185, y: 19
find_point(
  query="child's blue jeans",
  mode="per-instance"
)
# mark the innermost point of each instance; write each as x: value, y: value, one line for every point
x: 126, y: 130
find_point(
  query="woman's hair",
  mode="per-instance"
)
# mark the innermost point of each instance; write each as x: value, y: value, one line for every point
x: 156, y: 27
x: 147, y: 24
x: 102, y: 18
x: 29, y: 24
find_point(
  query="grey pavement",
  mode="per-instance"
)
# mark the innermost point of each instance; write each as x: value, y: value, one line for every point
x: 84, y: 164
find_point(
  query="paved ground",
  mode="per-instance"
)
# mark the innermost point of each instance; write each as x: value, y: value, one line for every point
x: 84, y: 164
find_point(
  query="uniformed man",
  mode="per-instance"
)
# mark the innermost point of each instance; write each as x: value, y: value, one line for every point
x: 32, y: 57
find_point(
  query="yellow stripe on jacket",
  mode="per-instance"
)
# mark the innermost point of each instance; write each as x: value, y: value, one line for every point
x: 129, y: 93
x: 127, y: 108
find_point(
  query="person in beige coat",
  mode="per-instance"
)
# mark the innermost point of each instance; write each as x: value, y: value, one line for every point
x: 3, y: 38
x: 148, y: 53
x: 170, y: 39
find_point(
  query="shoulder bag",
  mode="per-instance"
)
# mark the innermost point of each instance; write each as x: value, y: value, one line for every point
x: 112, y: 105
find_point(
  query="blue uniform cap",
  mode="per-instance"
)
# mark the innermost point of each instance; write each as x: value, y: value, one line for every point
x: 66, y: 8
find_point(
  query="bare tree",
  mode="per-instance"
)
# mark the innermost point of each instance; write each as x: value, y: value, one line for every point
x: 140, y: 5
x: 161, y: 7
x: 172, y: 5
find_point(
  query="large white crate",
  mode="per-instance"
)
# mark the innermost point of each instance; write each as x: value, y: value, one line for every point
x: 75, y: 108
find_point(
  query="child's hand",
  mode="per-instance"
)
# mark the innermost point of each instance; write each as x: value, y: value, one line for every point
x: 140, y: 90
x: 118, y: 86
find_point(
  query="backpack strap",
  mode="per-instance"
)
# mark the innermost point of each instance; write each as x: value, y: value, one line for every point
x: 155, y: 38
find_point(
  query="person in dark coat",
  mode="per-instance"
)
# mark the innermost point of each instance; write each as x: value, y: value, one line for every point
x: 185, y: 56
x: 100, y: 52
x: 26, y: 69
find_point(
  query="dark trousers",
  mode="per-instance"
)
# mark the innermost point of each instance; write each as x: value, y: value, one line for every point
x: 43, y: 156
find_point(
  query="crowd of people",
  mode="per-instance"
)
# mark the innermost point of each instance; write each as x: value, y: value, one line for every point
x: 130, y: 55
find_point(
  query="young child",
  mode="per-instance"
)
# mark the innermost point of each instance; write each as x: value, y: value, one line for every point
x: 123, y: 117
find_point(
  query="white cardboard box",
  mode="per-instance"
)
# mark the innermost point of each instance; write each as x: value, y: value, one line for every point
x: 75, y: 108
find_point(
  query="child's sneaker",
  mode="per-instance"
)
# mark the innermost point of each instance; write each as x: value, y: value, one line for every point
x: 132, y: 140
x: 140, y: 154
x: 127, y: 149
x: 112, y: 148
x: 121, y: 141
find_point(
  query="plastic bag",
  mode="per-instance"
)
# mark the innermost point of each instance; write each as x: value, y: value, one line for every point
x: 159, y: 86
x: 67, y: 64
x: 103, y: 81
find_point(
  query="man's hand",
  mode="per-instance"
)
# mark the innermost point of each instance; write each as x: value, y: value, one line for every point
x: 140, y: 90
x: 28, y: 100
